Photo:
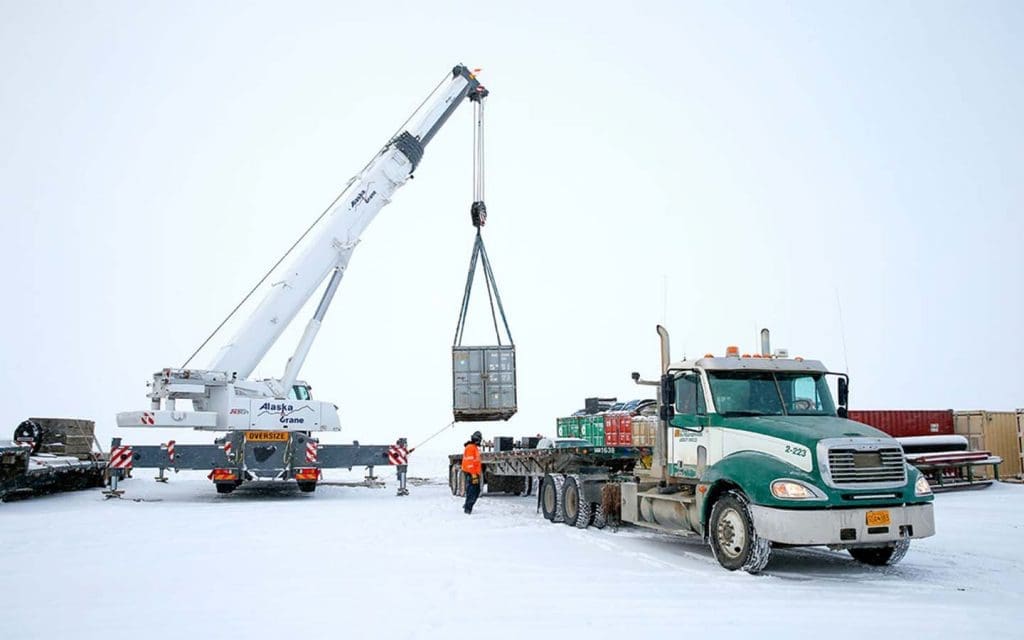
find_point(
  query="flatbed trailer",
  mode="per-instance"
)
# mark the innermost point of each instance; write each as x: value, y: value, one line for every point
x: 23, y: 475
x: 571, y: 480
x: 49, y: 455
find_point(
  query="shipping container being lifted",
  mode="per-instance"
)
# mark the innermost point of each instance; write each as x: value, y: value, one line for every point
x: 483, y: 377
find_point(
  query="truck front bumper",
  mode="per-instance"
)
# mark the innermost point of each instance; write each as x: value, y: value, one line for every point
x: 842, y: 527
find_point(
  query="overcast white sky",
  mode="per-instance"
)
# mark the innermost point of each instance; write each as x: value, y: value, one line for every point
x: 717, y: 166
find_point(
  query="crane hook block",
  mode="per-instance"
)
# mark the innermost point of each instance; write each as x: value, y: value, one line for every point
x: 478, y: 212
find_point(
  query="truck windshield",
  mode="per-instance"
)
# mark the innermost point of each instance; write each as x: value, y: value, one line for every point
x: 770, y: 393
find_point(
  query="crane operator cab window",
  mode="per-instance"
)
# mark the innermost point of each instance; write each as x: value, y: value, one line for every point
x: 689, y: 395
x: 300, y: 392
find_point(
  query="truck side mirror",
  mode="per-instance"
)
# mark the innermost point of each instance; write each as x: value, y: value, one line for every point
x: 667, y: 412
x: 844, y: 396
x: 668, y: 397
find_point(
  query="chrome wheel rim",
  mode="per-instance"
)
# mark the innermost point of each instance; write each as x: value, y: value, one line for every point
x: 731, y: 533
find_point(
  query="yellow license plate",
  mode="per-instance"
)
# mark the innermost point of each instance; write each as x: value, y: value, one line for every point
x: 878, y: 518
x: 266, y: 436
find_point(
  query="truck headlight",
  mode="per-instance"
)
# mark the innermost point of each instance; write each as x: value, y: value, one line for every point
x: 793, y: 490
x: 921, y: 487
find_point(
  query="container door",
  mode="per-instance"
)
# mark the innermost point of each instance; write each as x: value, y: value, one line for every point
x: 500, y: 379
x: 469, y: 387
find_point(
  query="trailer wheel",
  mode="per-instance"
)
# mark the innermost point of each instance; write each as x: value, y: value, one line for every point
x: 734, y: 541
x: 551, y: 497
x: 460, y: 483
x: 881, y: 556
x: 225, y: 487
x: 453, y: 479
x: 575, y: 509
x: 600, y: 519
x: 307, y: 487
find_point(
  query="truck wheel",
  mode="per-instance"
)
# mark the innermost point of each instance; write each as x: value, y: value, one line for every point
x: 551, y: 497
x: 225, y: 487
x: 307, y: 487
x: 600, y: 519
x: 881, y: 556
x: 575, y: 510
x: 734, y: 541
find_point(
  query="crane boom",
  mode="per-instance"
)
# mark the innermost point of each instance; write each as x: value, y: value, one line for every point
x: 331, y: 249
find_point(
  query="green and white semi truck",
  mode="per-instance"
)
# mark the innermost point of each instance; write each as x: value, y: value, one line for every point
x: 755, y: 454
x: 751, y: 454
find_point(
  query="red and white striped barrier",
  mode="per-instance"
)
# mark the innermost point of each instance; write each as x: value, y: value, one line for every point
x: 170, y: 451
x: 227, y: 449
x: 121, y: 458
x: 147, y: 418
x: 311, y: 448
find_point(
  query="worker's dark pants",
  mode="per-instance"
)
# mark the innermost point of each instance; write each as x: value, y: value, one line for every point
x: 400, y: 473
x: 472, y: 493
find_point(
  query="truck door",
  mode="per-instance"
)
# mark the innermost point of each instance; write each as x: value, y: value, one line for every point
x: 688, y: 435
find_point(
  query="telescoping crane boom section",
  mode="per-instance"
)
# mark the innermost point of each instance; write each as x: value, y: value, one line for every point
x: 222, y: 396
x: 372, y: 189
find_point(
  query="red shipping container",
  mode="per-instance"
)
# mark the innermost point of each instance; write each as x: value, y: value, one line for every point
x: 907, y: 422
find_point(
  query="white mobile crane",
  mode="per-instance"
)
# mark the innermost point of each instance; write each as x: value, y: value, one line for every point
x: 269, y: 421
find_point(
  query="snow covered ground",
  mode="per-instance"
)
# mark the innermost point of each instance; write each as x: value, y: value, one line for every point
x: 185, y: 562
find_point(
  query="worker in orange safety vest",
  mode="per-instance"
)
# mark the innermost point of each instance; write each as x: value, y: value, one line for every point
x: 471, y: 470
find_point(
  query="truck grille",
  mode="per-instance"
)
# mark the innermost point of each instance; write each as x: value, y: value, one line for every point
x: 860, y: 466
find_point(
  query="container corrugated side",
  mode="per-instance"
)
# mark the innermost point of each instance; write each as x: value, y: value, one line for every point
x: 996, y: 432
x: 484, y: 383
x: 904, y: 423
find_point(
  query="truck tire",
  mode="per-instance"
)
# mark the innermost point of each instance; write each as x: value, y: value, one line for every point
x: 881, y: 556
x: 600, y: 519
x: 225, y: 487
x: 734, y: 541
x: 460, y: 483
x: 575, y: 509
x: 307, y: 487
x: 551, y: 497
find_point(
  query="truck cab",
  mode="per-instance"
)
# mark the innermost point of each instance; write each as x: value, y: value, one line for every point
x: 757, y: 454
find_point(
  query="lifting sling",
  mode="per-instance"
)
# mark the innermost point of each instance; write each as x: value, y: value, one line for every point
x: 484, y: 377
